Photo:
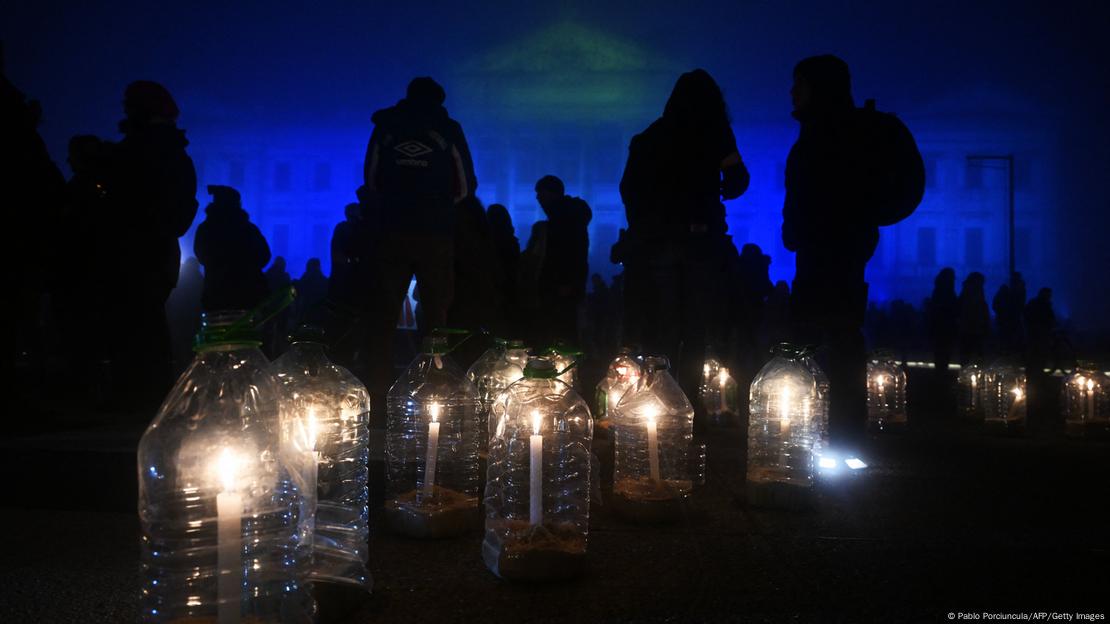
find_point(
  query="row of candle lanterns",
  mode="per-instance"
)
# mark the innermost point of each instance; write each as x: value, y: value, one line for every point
x: 238, y: 514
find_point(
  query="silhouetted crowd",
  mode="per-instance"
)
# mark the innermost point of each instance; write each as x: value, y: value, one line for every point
x: 101, y: 285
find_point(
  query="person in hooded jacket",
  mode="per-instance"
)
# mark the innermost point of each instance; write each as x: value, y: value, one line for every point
x: 417, y: 168
x: 564, y: 264
x: 151, y: 196
x: 942, y: 312
x: 834, y: 196
x: 233, y: 253
x: 675, y: 251
x: 507, y: 247
x: 974, y: 320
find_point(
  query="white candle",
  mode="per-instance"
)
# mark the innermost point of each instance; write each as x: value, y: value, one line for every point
x: 433, y: 448
x: 652, y: 444
x: 974, y: 390
x: 880, y: 381
x: 1090, y: 399
x: 1019, y: 394
x: 229, y: 549
x: 535, y: 472
x: 724, y: 384
x: 784, y: 412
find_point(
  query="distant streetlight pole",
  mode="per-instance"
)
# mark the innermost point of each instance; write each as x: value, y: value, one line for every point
x: 1008, y: 161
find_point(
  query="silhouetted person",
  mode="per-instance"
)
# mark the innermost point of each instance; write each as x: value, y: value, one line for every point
x: 33, y: 191
x: 349, y: 258
x: 675, y: 249
x: 477, y: 302
x: 849, y: 171
x: 564, y: 263
x: 277, y: 330
x: 233, y: 253
x: 975, y: 319
x: 417, y: 167
x: 80, y: 277
x: 1007, y: 319
x: 277, y: 275
x: 507, y: 248
x: 152, y: 189
x: 942, y: 315
x: 1040, y: 321
x: 312, y: 290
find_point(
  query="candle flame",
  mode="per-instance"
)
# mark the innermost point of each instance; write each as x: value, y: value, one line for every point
x: 310, y: 433
x: 1018, y: 393
x: 723, y: 377
x: 536, y: 421
x: 433, y: 410
x: 1081, y: 381
x: 227, y: 468
x: 705, y: 370
x: 973, y: 380
x: 879, y: 379
x: 651, y: 414
x: 1090, y: 385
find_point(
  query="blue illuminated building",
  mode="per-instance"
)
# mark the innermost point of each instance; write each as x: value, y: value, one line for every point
x: 567, y: 99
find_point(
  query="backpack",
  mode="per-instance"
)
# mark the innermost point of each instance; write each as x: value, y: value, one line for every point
x: 895, y: 173
x: 415, y: 161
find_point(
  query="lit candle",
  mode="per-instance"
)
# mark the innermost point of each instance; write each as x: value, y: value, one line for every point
x: 229, y: 535
x: 784, y: 412
x: 433, y: 447
x: 652, y: 443
x: 1090, y: 399
x: 723, y: 379
x: 1019, y: 394
x: 535, y: 472
x: 880, y: 381
x: 974, y: 389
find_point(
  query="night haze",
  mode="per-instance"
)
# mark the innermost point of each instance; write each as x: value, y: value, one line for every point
x: 268, y: 86
x: 584, y: 311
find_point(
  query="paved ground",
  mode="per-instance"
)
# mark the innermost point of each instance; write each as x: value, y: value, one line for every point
x: 943, y: 521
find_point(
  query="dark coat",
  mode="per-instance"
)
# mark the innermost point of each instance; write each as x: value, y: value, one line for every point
x: 415, y: 209
x: 566, y: 264
x: 152, y: 187
x: 33, y: 190
x: 233, y: 253
x: 672, y: 183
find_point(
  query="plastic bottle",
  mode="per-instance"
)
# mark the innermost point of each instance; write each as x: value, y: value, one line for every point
x: 1085, y: 402
x: 432, y: 434
x: 970, y: 391
x: 537, y: 496
x: 783, y: 427
x: 623, y: 374
x: 328, y: 408
x: 217, y: 506
x: 1005, y: 398
x: 886, y: 392
x: 492, y: 373
x: 653, y: 428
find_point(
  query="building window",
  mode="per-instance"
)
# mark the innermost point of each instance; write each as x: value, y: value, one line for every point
x: 236, y: 174
x: 973, y: 248
x: 283, y: 177
x: 927, y: 246
x: 973, y: 174
x: 321, y: 177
